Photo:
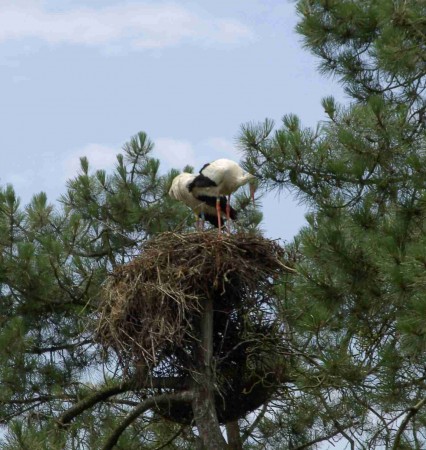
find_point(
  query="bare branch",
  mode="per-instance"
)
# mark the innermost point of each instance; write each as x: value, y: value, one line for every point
x: 55, y: 348
x: 169, y: 441
x: 256, y: 421
x: 91, y: 400
x: 140, y: 409
x: 411, y: 413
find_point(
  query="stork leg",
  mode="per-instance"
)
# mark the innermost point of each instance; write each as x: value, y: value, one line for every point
x: 228, y: 214
x: 219, y: 219
x: 203, y: 219
x: 197, y: 222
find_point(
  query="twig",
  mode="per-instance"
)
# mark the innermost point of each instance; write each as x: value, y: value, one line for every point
x: 411, y: 413
x: 169, y: 441
x: 321, y: 438
x: 91, y: 400
x: 140, y: 409
x: 256, y: 421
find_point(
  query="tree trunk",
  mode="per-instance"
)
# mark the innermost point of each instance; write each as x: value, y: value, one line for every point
x: 234, y: 437
x: 203, y: 404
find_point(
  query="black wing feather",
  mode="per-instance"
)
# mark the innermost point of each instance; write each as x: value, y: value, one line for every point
x: 211, y: 201
x: 202, y: 168
x: 201, y: 181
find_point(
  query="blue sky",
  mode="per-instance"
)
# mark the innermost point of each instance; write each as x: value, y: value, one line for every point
x: 80, y: 78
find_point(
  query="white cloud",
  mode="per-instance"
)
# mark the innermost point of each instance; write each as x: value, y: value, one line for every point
x: 19, y: 78
x: 137, y: 26
x: 174, y: 153
x: 17, y: 180
x: 50, y: 170
x: 8, y: 62
x: 99, y: 156
x: 222, y: 148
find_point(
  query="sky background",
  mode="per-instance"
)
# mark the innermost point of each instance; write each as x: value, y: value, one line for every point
x: 79, y: 78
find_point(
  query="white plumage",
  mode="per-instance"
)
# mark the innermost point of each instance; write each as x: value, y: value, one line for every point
x: 218, y: 178
x: 226, y: 177
x: 203, y: 207
x: 179, y: 191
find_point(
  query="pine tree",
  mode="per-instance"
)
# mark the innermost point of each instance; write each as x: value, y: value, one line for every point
x: 355, y: 314
x: 353, y: 317
x: 58, y: 387
x: 53, y: 261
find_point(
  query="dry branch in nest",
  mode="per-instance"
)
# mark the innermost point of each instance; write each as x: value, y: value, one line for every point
x: 150, y: 314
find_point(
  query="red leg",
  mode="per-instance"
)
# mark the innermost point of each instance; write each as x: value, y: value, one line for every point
x: 228, y: 214
x: 219, y: 219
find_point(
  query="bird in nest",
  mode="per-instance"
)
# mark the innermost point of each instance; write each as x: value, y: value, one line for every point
x: 208, y: 194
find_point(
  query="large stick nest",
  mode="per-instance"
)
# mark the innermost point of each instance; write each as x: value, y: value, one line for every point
x: 150, y: 314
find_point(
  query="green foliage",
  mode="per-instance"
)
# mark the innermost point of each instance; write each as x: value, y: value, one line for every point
x: 356, y: 312
x: 22, y: 437
x: 53, y: 262
x: 373, y: 46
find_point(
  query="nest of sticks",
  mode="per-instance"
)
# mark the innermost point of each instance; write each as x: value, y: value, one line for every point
x: 150, y: 315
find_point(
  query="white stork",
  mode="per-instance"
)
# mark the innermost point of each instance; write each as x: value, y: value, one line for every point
x: 219, y: 178
x: 203, y: 205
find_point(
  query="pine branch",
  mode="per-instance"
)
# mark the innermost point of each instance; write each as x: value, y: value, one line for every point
x: 55, y: 348
x: 323, y: 438
x: 91, y: 400
x: 140, y: 409
x: 255, y: 423
x: 169, y: 441
x: 411, y: 413
x: 39, y: 399
x: 104, y: 394
x: 340, y: 428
